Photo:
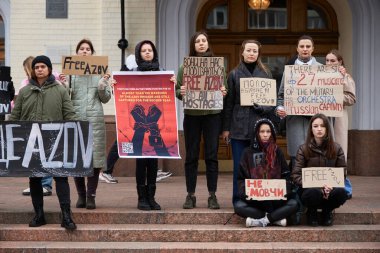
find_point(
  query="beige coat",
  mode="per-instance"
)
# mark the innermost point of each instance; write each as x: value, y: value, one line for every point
x: 341, y: 123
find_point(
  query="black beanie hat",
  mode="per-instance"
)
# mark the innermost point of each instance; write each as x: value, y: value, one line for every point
x: 42, y: 59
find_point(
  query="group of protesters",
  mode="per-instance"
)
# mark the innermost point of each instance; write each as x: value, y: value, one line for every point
x: 49, y: 97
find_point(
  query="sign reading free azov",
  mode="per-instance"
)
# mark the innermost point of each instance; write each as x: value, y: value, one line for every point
x: 39, y: 149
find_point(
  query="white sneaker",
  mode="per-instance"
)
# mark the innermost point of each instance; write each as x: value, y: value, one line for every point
x: 163, y: 173
x: 250, y: 222
x: 281, y: 223
x: 107, y: 178
x: 26, y: 192
x: 162, y: 176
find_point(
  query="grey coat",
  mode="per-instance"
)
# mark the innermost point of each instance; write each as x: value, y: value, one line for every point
x: 88, y: 93
x: 296, y: 126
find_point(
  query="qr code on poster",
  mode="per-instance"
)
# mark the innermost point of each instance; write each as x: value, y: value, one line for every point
x: 127, y: 147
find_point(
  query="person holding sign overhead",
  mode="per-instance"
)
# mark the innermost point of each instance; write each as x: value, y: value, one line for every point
x: 319, y: 150
x: 349, y: 99
x: 239, y: 120
x: 88, y: 92
x: 197, y: 123
x: 263, y: 159
x: 44, y: 99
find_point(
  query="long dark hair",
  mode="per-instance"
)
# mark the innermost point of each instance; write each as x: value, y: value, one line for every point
x: 192, y: 51
x: 328, y: 140
x: 85, y: 41
x: 260, y: 64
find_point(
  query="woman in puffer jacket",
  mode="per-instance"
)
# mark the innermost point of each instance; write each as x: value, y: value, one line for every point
x: 263, y: 159
x: 319, y: 150
x: 88, y: 93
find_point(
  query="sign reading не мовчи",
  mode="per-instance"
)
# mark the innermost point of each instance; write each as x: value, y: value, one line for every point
x: 41, y: 149
x: 203, y: 77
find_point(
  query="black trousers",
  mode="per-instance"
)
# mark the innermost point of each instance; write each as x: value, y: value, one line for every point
x: 276, y: 209
x: 313, y: 198
x: 194, y: 127
x: 61, y: 186
x: 146, y: 171
x: 92, y: 184
x: 112, y: 158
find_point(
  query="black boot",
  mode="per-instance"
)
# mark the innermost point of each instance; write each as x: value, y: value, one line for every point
x: 67, y: 222
x: 91, y: 202
x: 312, y: 217
x: 327, y: 217
x: 81, y: 203
x: 142, y: 203
x: 39, y: 218
x: 152, y: 202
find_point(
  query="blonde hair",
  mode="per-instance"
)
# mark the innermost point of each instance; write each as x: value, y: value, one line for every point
x: 27, y: 63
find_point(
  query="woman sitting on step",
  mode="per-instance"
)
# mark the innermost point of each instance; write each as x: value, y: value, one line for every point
x: 263, y: 159
x: 319, y: 150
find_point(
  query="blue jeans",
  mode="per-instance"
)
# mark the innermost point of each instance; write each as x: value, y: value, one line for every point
x: 238, y: 147
x: 47, y: 182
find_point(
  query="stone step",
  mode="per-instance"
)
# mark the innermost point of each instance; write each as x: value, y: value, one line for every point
x: 190, y: 233
x: 179, y: 216
x: 186, y: 247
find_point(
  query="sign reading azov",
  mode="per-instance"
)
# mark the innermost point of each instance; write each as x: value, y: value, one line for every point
x: 312, y: 89
x: 46, y: 148
x: 203, y: 77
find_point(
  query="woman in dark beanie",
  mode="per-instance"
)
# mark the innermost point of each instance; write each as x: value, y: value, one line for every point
x: 263, y: 159
x: 195, y: 124
x: 319, y: 150
x: 146, y: 168
x: 44, y: 99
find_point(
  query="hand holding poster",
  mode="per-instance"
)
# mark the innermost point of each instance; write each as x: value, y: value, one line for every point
x: 203, y: 77
x: 41, y: 149
x: 84, y: 65
x: 261, y: 91
x: 146, y: 118
x: 5, y: 80
x: 319, y: 176
x: 265, y: 189
x: 312, y: 89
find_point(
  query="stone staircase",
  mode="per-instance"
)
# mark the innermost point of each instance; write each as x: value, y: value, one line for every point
x: 183, y: 231
x: 117, y: 226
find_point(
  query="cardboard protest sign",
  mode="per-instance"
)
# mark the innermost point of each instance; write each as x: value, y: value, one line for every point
x: 146, y: 117
x: 312, y: 89
x: 265, y: 189
x: 5, y: 79
x: 84, y: 65
x: 320, y: 176
x: 39, y: 149
x: 261, y: 91
x: 203, y: 77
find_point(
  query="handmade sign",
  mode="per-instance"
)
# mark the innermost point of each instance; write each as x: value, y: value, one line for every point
x: 203, y: 77
x: 312, y: 89
x: 39, y: 149
x: 146, y: 118
x: 319, y: 176
x: 261, y: 91
x: 5, y: 80
x: 84, y: 65
x: 265, y: 189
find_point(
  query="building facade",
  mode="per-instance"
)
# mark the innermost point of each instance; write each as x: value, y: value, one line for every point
x: 349, y: 25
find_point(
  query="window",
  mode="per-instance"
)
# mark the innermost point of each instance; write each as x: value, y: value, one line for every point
x: 273, y: 18
x: 218, y: 18
x: 315, y: 18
